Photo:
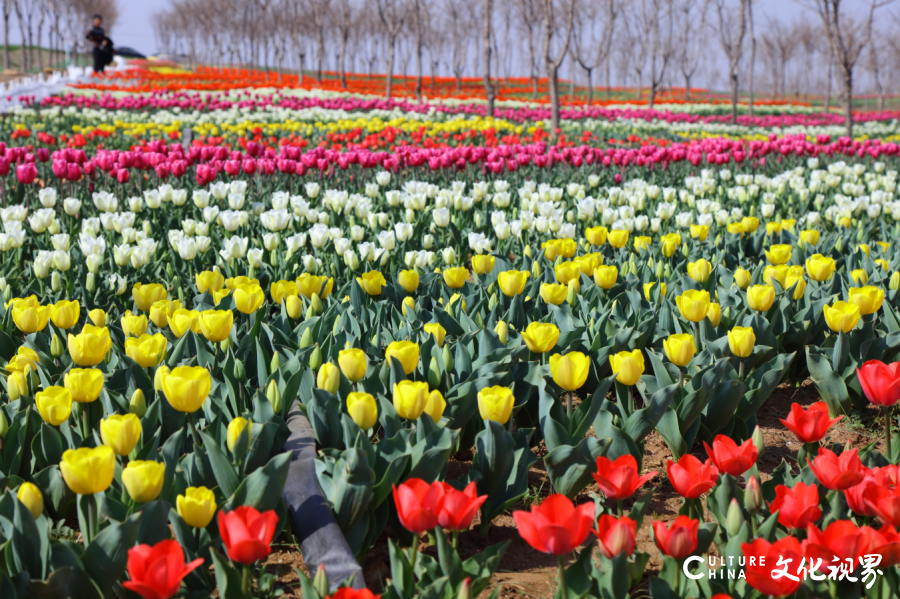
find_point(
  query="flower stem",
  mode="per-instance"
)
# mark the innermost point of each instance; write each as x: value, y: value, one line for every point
x: 561, y: 567
x: 887, y: 432
x: 245, y: 582
x: 455, y: 539
x: 413, y: 553
x: 194, y: 433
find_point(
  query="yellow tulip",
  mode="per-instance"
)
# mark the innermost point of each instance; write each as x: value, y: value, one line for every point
x: 749, y: 224
x: 218, y: 296
x: 410, y: 398
x: 121, y: 432
x: 735, y: 228
x: 700, y: 232
x: 30, y: 496
x: 502, y: 330
x: 483, y: 263
x: 868, y: 298
x: 234, y: 282
x: 680, y: 349
x: 281, y: 289
x: 64, y: 314
x: 859, y: 276
x: 693, y: 304
x: 353, y: 363
x: 863, y: 248
x: 405, y: 351
x: 617, y: 239
x: 329, y: 378
x: 161, y: 311
x: 567, y: 271
x: 147, y: 350
x: 363, y: 409
x: 454, y: 298
x: 760, y: 297
x: 371, y: 282
x: 16, y: 385
x: 54, y: 404
x: 187, y: 387
x: 145, y: 295
x: 628, y: 366
x: 742, y: 278
x: 308, y: 284
x: 90, y: 347
x: 216, y: 324
x: 553, y: 293
x: 496, y: 403
x: 98, y: 317
x: 88, y: 470
x: 779, y: 253
x: 209, y: 280
x: 773, y: 228
x: 31, y: 319
x: 714, y: 314
x: 741, y: 341
x: 699, y: 270
x: 642, y: 242
x: 143, y: 480
x: 648, y: 289
x: 819, y: 267
x: 540, y: 337
x: 605, y: 276
x: 133, y: 324
x: 85, y: 384
x: 883, y: 264
x: 438, y: 331
x: 183, y: 321
x: 670, y: 244
x: 570, y: 371
x: 455, y: 277
x: 776, y: 273
x: 248, y: 298
x: 800, y: 288
x: 565, y: 247
x: 512, y: 282
x: 595, y: 236
x: 810, y: 236
x: 235, y: 428
x: 161, y: 373
x: 435, y: 405
x: 409, y: 280
x: 196, y: 507
x: 788, y: 224
x: 884, y: 245
x: 842, y: 316
x: 408, y: 302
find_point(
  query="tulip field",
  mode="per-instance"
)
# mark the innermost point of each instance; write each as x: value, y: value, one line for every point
x: 648, y: 354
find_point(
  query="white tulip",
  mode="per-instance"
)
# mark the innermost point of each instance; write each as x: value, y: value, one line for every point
x: 47, y: 197
x: 72, y: 206
x: 200, y: 198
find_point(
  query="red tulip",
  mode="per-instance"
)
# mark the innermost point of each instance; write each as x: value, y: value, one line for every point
x: 555, y: 526
x: 764, y: 561
x: 351, y: 593
x: 691, y: 477
x: 620, y: 479
x: 156, y: 572
x: 731, y: 458
x: 856, y: 496
x: 796, y: 507
x: 810, y: 425
x: 678, y: 540
x: 616, y: 535
x: 416, y: 501
x: 455, y: 510
x: 887, y: 476
x: 246, y: 533
x: 880, y: 382
x: 26, y: 173
x: 840, y: 539
x: 884, y: 542
x: 837, y: 472
x: 885, y: 503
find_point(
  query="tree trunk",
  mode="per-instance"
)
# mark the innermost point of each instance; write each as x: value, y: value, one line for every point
x: 390, y: 69
x: 608, y: 77
x: 553, y: 83
x: 652, y: 95
x: 342, y: 61
x: 828, y: 86
x: 458, y: 82
x: 687, y: 88
x: 6, y: 39
x: 590, y: 87
x: 320, y: 51
x: 848, y: 111
x: 488, y: 87
x: 734, y: 92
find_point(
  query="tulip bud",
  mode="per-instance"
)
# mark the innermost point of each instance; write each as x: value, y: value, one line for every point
x: 479, y: 320
x: 225, y: 344
x: 734, y: 519
x: 465, y: 589
x: 759, y: 443
x: 839, y: 244
x: 536, y: 270
x: 56, y: 281
x: 4, y: 424
x: 448, y: 358
x: 90, y: 283
x: 894, y: 282
x: 137, y: 405
x: 275, y: 364
x: 527, y: 251
x: 660, y: 270
x: 56, y: 346
x: 860, y: 234
x: 316, y: 303
x: 753, y: 498
x: 310, y: 312
x: 31, y: 498
x: 16, y: 385
x: 492, y: 301
x: 667, y: 271
x: 572, y: 295
x: 274, y: 396
x: 320, y: 582
x: 307, y: 338
x: 240, y: 371
x: 336, y: 328
x: 502, y: 330
x: 434, y: 374
x: 315, y: 358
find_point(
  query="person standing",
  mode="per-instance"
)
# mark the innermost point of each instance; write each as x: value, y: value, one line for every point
x: 102, y: 51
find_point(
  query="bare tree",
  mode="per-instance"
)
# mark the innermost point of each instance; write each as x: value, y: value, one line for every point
x: 655, y: 21
x: 460, y: 13
x: 731, y: 36
x: 528, y: 13
x: 752, y: 62
x: 591, y: 50
x: 392, y: 14
x: 486, y: 42
x: 552, y: 65
x: 690, y: 42
x: 344, y: 22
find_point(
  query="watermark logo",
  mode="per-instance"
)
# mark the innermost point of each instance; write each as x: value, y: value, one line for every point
x: 838, y: 569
